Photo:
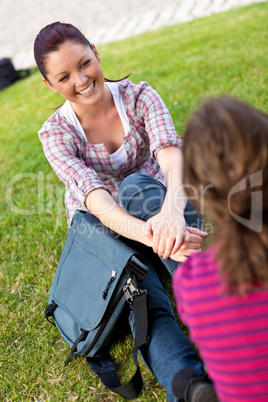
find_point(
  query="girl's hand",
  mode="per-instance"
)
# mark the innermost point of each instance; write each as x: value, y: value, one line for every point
x: 191, y: 244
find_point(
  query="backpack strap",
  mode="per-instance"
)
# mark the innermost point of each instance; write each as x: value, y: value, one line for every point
x: 138, y: 304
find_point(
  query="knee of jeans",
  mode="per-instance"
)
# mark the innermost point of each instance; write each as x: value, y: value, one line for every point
x: 127, y: 187
x: 133, y: 185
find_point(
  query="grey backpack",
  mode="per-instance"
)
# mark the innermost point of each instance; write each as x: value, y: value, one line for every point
x: 97, y: 275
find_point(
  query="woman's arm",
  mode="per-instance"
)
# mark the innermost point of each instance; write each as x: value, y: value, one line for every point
x: 171, y: 238
x: 62, y: 148
x: 101, y: 204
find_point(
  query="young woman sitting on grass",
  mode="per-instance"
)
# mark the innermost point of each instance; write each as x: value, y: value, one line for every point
x: 114, y: 146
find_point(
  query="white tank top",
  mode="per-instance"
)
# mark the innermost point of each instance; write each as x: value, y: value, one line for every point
x: 119, y: 156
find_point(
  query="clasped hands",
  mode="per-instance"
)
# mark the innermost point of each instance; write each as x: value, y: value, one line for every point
x: 171, y: 237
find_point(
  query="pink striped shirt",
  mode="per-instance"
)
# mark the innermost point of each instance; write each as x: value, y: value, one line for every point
x: 84, y: 167
x: 230, y: 331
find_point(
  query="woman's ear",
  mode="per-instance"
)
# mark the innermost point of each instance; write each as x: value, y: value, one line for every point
x: 50, y: 86
x: 96, y: 52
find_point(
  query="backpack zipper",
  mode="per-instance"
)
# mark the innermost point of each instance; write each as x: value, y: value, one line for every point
x: 104, y: 323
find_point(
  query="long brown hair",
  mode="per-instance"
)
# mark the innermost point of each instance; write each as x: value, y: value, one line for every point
x: 226, y: 162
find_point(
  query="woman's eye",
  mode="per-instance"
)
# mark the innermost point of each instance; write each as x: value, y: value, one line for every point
x: 85, y: 63
x: 64, y: 78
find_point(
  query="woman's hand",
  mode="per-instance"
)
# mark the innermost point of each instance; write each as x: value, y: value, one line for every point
x: 167, y: 233
x: 171, y: 238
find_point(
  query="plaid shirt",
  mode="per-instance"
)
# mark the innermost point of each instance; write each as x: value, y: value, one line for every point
x: 84, y: 167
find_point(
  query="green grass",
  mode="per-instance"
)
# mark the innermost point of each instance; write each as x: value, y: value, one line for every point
x: 225, y: 53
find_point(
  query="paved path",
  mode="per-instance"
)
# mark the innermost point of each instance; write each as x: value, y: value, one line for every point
x: 102, y: 21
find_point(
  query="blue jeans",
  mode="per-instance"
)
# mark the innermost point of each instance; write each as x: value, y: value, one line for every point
x: 143, y: 196
x: 168, y: 349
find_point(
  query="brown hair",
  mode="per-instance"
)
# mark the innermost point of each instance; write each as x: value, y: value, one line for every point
x: 51, y: 37
x: 226, y: 153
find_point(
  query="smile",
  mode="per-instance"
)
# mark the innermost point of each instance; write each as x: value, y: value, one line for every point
x: 88, y: 89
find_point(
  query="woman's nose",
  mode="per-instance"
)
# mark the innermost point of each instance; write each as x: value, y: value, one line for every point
x: 80, y: 79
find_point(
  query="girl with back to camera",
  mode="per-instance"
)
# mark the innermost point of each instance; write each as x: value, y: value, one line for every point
x: 222, y: 293
x: 114, y: 146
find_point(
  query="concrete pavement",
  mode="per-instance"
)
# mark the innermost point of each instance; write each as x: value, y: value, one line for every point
x: 102, y: 21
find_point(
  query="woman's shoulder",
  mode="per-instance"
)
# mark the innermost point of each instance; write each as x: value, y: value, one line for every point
x: 129, y: 88
x: 137, y: 95
x: 56, y: 121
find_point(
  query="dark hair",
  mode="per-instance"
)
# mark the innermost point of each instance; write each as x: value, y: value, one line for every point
x: 51, y: 37
x: 226, y: 142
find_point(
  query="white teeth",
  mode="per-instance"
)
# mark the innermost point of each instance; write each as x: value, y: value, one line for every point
x: 87, y: 90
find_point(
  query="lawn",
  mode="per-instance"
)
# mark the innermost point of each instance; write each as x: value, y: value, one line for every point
x: 224, y: 53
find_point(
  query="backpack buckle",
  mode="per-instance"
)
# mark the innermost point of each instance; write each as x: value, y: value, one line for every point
x: 130, y: 290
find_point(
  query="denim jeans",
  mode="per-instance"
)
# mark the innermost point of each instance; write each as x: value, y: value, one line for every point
x: 168, y: 349
x: 143, y: 196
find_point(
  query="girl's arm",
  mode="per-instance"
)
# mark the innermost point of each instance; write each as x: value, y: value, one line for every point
x: 101, y: 204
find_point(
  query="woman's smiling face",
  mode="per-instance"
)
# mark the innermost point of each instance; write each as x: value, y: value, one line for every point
x: 75, y: 73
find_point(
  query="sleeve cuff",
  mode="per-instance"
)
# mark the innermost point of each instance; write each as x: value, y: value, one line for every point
x: 80, y: 191
x: 162, y: 141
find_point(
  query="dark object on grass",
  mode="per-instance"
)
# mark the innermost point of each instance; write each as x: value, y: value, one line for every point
x: 8, y: 74
x: 189, y: 386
